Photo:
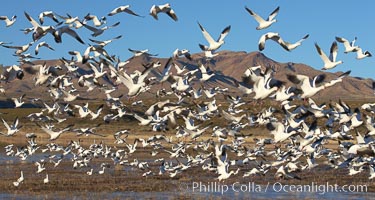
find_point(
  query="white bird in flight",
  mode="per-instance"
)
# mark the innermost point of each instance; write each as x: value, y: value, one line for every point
x: 262, y: 40
x: 42, y: 44
x: 18, y: 102
x: 98, y: 31
x: 310, y: 87
x: 54, y: 134
x: 349, y: 46
x: 49, y: 14
x: 329, y: 63
x: 12, y: 129
x: 361, y: 54
x: 97, y: 21
x: 8, y: 22
x: 166, y: 8
x: 123, y: 9
x: 213, y: 45
x: 141, y: 52
x: 290, y: 46
x: 263, y: 24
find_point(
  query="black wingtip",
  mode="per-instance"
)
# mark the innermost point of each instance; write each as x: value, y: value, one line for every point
x: 227, y: 29
x: 202, y: 47
x: 347, y: 73
x: 248, y: 10
x: 292, y: 78
x: 200, y: 26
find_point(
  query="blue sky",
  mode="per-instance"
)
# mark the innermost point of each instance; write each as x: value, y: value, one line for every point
x: 322, y: 19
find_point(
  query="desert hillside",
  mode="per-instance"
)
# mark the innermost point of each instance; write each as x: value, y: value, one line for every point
x: 228, y: 65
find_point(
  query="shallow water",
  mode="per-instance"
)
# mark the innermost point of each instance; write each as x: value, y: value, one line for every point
x: 184, y: 190
x: 194, y: 195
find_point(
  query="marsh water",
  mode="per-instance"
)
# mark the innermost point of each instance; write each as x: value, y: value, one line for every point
x: 10, y: 166
x: 188, y: 195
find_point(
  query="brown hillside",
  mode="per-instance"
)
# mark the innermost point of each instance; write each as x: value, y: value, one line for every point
x: 230, y: 65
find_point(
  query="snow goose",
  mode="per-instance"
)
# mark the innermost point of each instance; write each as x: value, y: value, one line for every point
x: 264, y: 23
x: 280, y: 131
x: 165, y: 8
x: 361, y: 149
x: 95, y: 115
x: 8, y: 22
x: 98, y: 73
x: 42, y: 44
x: 12, y: 129
x: 83, y: 111
x: 182, y: 84
x: 69, y: 96
x: 38, y: 30
x: 310, y: 162
x: 165, y: 75
x: 284, y: 93
x: 290, y: 46
x: 349, y: 46
x: 18, y: 101
x: 209, y: 55
x: 54, y: 134
x: 205, y: 76
x: 49, y: 14
x: 122, y: 9
x: 318, y: 110
x: 281, y: 173
x: 223, y: 166
x: 79, y: 58
x: 90, y: 172
x: 361, y: 54
x: 179, y: 70
x: 330, y: 62
x: 265, y: 87
x: 254, y: 73
x: 262, y: 40
x: 231, y: 118
x: 189, y: 124
x: 97, y: 22
x: 132, y: 148
x: 213, y: 45
x: 183, y: 52
x: 68, y: 19
x: 41, y: 167
x: 134, y: 89
x: 58, y: 32
x: 143, y: 121
x: 277, y: 38
x: 310, y: 87
x: 12, y: 72
x: 46, y: 180
x: 356, y: 119
x: 105, y: 42
x: 19, y: 180
x: 102, y: 170
x: 141, y: 52
x: 19, y: 49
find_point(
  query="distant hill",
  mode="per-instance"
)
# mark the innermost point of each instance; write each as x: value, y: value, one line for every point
x: 228, y: 65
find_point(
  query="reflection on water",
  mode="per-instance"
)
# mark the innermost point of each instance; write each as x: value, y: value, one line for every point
x: 188, y: 195
x: 183, y: 192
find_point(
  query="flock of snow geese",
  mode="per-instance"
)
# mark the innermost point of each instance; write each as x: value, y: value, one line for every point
x: 298, y: 132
